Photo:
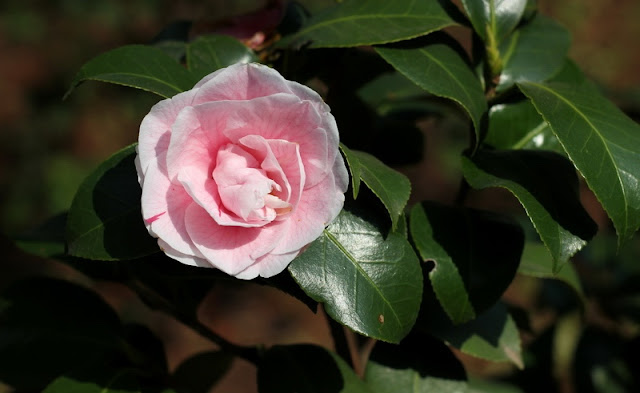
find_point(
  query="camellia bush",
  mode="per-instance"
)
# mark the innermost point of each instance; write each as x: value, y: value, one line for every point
x: 285, y: 150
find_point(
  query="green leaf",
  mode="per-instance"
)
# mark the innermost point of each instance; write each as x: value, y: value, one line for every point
x: 546, y: 185
x: 208, y: 53
x: 495, y: 17
x: 602, y: 142
x: 97, y: 381
x: 534, y: 53
x: 199, y: 373
x: 475, y: 256
x: 305, y: 368
x: 519, y: 126
x: 419, y: 364
x: 104, y: 221
x: 492, y: 336
x: 139, y: 66
x: 488, y: 386
x: 537, y: 262
x: 389, y: 87
x: 49, y: 327
x: 369, y: 22
x: 433, y: 64
x: 367, y: 279
x: 390, y: 186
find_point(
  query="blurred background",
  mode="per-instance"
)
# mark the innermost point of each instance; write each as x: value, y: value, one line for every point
x: 48, y: 145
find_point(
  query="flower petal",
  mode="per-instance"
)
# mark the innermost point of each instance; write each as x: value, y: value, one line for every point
x: 268, y: 266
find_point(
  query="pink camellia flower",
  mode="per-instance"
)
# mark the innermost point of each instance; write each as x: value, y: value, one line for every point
x: 241, y: 172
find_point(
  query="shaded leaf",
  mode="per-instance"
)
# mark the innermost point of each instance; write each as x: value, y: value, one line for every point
x: 497, y: 18
x: 534, y: 53
x: 602, y: 143
x: 538, y: 262
x: 546, y: 185
x: 392, y: 187
x: 520, y: 126
x: 306, y: 368
x: 208, y: 53
x: 95, y: 380
x: 139, y: 66
x: 487, y: 386
x: 388, y: 87
x: 368, y: 22
x: 433, y: 64
x: 475, y: 256
x: 104, y: 221
x: 493, y: 335
x: 49, y: 327
x: 46, y: 241
x: 367, y: 279
x: 419, y: 364
x: 199, y: 373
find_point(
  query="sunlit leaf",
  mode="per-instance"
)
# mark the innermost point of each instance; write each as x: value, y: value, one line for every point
x: 392, y: 187
x: 368, y: 22
x: 546, y: 185
x: 433, y: 64
x: 495, y: 17
x: 139, y: 66
x: 367, y: 279
x: 104, y: 221
x: 208, y: 53
x: 602, y: 142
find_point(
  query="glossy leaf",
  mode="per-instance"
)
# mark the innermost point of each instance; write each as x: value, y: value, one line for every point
x: 534, y: 53
x: 49, y: 327
x: 305, y: 368
x: 546, y: 185
x: 602, y: 142
x: 139, y: 66
x: 104, y: 221
x: 495, y: 17
x: 368, y: 22
x: 419, y: 364
x: 519, y: 126
x: 537, y: 262
x: 208, y: 53
x: 493, y: 336
x: 483, y: 247
x: 392, y: 187
x: 367, y: 279
x: 434, y: 65
x: 199, y: 373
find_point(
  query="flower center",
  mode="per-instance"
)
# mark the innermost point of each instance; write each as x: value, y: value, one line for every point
x: 244, y: 187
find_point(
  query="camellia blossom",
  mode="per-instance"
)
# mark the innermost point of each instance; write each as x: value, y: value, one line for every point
x: 241, y: 172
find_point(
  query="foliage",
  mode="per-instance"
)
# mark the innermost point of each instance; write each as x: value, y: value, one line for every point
x: 419, y: 275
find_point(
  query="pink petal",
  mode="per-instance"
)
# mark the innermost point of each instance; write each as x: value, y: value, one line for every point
x: 155, y: 129
x: 268, y: 266
x: 163, y: 209
x: 318, y: 207
x: 230, y: 248
x: 182, y: 258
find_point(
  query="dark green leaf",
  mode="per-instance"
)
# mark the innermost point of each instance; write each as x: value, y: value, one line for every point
x: 367, y: 279
x: 368, y: 22
x: 175, y: 49
x: 139, y: 66
x: 546, y: 185
x: 495, y: 17
x: 433, y: 64
x: 475, y: 256
x: 104, y: 221
x: 208, y: 53
x: 47, y: 241
x: 534, y: 53
x: 493, y: 335
x: 602, y: 142
x: 392, y: 187
x: 419, y: 364
x: 97, y: 380
x: 49, y: 327
x: 389, y: 87
x: 306, y: 369
x: 199, y: 373
x: 520, y: 126
x: 488, y: 386
x: 537, y: 262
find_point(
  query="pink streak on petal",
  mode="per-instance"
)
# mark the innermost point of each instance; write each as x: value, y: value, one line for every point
x: 230, y: 248
x: 150, y: 220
